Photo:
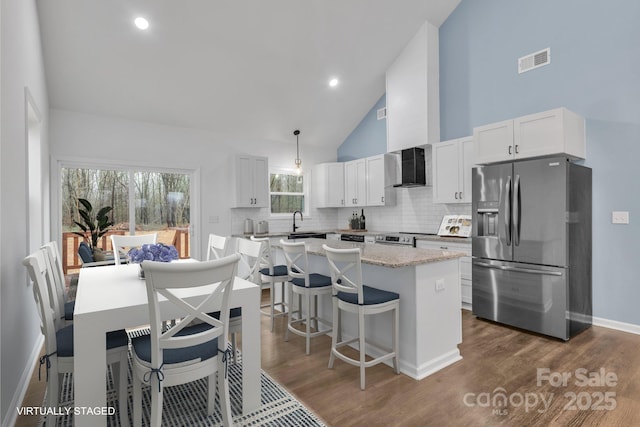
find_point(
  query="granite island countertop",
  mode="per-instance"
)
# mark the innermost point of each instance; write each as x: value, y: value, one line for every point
x: 383, y: 255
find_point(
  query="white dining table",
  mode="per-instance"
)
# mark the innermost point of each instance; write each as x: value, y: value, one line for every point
x: 114, y: 297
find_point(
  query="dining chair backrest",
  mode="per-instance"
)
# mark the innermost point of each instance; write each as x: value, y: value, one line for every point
x: 57, y: 292
x: 37, y: 268
x: 295, y: 254
x: 346, y: 271
x: 164, y: 279
x: 122, y: 244
x: 217, y: 246
x: 250, y: 252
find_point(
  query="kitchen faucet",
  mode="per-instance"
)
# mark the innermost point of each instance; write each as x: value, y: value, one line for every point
x: 294, y: 220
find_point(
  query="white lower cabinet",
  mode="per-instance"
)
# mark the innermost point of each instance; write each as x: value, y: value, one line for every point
x: 465, y: 264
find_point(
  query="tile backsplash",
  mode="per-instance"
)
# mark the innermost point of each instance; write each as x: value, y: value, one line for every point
x: 413, y: 212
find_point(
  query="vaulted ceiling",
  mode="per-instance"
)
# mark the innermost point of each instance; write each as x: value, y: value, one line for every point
x: 255, y: 68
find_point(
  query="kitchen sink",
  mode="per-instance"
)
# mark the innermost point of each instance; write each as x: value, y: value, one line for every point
x: 307, y: 235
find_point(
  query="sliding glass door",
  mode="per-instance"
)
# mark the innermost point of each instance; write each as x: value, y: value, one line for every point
x: 142, y: 202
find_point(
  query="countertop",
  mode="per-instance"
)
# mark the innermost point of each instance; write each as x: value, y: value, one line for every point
x: 383, y: 255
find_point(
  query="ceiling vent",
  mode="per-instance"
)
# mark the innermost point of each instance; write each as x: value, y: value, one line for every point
x: 382, y: 113
x: 534, y: 60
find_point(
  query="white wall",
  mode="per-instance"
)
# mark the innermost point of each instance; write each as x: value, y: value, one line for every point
x: 78, y: 136
x: 21, y: 67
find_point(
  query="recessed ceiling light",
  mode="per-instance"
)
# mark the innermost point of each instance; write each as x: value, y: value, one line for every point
x: 333, y: 82
x: 141, y: 23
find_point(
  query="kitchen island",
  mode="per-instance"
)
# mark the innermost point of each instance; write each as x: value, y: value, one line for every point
x: 428, y: 282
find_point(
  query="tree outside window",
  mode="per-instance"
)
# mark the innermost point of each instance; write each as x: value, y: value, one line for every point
x: 287, y: 192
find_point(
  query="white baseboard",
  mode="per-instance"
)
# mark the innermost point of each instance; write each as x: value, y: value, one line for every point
x: 434, y: 365
x: 23, y: 385
x: 618, y: 326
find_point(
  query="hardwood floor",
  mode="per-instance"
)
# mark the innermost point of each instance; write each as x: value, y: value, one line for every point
x: 497, y: 362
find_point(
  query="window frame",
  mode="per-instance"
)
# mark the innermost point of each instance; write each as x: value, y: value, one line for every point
x: 306, y: 176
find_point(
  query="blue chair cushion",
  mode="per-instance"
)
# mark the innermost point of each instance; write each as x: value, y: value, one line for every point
x: 64, y: 339
x: 371, y: 296
x: 142, y: 347
x: 84, y: 251
x: 278, y: 270
x: 315, y: 281
x: 234, y: 312
x: 69, y: 306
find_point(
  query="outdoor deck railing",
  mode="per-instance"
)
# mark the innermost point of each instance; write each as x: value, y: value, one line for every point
x: 178, y: 237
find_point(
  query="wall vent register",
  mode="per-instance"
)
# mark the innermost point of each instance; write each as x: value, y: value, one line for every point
x: 534, y: 60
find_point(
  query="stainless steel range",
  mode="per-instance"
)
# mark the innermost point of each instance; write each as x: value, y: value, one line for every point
x: 401, y: 239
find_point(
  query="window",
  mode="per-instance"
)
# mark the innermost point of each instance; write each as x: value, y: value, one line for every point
x: 287, y: 192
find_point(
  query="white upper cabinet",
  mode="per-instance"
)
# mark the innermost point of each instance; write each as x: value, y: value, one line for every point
x: 381, y: 176
x: 494, y: 142
x: 355, y: 182
x: 358, y: 183
x: 413, y: 100
x: 558, y: 131
x: 452, y: 163
x: 251, y: 181
x: 328, y: 185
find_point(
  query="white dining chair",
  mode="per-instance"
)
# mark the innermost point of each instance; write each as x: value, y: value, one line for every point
x: 218, y: 246
x: 352, y: 296
x: 305, y: 284
x: 58, y: 291
x: 196, y: 347
x: 58, y: 343
x: 122, y: 244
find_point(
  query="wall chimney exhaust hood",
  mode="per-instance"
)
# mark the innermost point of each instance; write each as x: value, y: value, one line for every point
x: 413, y: 168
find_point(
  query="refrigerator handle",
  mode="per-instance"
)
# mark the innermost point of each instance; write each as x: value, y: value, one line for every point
x: 487, y: 265
x: 516, y: 211
x: 507, y: 210
x: 517, y: 269
x: 532, y: 271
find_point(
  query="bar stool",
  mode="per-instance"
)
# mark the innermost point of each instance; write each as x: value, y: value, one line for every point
x: 308, y: 285
x: 350, y: 295
x: 270, y: 275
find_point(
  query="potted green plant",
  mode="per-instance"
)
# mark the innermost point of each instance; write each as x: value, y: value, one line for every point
x: 93, y: 226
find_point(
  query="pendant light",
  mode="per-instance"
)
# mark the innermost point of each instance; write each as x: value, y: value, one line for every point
x: 298, y: 160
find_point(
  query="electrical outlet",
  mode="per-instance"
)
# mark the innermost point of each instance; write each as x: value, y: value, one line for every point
x: 621, y: 217
x: 439, y: 285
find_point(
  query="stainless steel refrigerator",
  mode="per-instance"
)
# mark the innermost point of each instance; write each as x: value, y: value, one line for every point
x: 532, y: 245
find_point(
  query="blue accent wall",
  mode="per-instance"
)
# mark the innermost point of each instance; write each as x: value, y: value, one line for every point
x: 368, y: 138
x: 595, y: 58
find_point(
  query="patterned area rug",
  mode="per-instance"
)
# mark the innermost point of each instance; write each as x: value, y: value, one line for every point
x: 186, y: 405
